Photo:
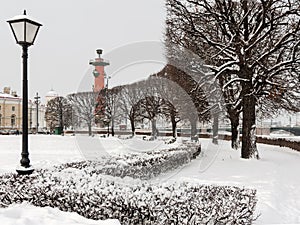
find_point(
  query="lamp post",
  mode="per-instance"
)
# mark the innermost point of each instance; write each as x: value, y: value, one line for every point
x: 25, y: 31
x: 37, y: 97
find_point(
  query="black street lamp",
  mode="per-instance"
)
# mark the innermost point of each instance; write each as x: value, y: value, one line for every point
x: 24, y: 30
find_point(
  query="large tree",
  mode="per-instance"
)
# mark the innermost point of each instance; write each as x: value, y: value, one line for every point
x: 179, y: 101
x: 129, y: 96
x: 251, y: 47
x: 85, y: 106
x: 183, y: 92
x: 112, y: 107
x: 150, y: 107
x: 58, y: 113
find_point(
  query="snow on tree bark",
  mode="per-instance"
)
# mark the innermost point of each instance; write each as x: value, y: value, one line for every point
x: 249, y: 148
x: 215, y: 128
x: 235, y: 139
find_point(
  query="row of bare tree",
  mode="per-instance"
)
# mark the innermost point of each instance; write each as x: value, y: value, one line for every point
x: 150, y: 99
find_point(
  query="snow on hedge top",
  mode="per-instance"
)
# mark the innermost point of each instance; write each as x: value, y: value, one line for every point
x: 135, y: 144
x: 23, y: 214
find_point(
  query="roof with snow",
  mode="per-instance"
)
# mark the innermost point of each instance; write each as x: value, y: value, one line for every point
x: 51, y: 93
x: 8, y: 96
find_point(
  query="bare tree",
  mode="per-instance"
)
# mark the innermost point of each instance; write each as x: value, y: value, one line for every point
x: 183, y: 92
x: 251, y: 47
x: 58, y: 113
x: 129, y: 97
x: 85, y: 106
x: 112, y: 110
x: 150, y: 108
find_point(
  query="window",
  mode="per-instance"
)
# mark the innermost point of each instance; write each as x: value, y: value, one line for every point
x: 0, y: 120
x: 13, y: 120
x: 13, y: 108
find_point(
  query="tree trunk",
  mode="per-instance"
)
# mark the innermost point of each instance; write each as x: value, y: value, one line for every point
x: 132, y: 126
x: 90, y: 129
x: 249, y: 148
x: 112, y: 131
x: 61, y: 122
x: 193, y: 122
x: 235, y: 139
x: 174, y: 131
x: 154, y: 129
x: 112, y: 127
x: 215, y: 128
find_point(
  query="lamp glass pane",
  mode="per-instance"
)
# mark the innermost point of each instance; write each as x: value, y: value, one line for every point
x: 18, y: 29
x: 31, y: 31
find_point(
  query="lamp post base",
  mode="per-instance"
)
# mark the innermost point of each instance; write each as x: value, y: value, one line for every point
x: 24, y: 171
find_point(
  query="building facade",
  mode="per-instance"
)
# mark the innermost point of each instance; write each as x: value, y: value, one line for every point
x: 11, y: 112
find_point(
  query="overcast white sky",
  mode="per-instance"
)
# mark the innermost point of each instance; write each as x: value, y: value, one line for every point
x: 72, y: 31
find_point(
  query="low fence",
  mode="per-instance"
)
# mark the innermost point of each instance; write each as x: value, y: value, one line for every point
x: 263, y: 140
x: 280, y: 142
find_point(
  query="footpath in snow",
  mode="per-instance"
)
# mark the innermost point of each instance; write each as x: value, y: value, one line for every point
x: 275, y: 177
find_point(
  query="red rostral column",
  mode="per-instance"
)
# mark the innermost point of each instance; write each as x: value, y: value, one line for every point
x: 98, y: 72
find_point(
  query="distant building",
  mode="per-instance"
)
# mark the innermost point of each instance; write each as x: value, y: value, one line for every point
x: 51, y: 95
x: 10, y: 110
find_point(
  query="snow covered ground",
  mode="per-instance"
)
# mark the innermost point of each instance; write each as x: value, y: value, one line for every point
x: 275, y: 176
x: 26, y: 214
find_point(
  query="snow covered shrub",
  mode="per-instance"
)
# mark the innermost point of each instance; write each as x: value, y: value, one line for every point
x: 170, y: 141
x: 141, y: 165
x: 96, y: 196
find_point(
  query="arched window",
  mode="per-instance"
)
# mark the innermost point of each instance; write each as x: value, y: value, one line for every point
x: 13, y: 120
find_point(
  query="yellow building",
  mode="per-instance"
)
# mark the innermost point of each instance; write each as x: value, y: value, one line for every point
x: 10, y: 110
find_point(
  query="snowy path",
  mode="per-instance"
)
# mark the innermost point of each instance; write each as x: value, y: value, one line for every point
x: 275, y: 177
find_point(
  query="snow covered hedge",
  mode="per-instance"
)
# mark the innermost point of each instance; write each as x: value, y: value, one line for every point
x: 98, y: 196
x: 141, y: 165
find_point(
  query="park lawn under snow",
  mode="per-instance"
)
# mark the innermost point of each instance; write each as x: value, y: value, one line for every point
x: 275, y: 176
x: 26, y: 214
